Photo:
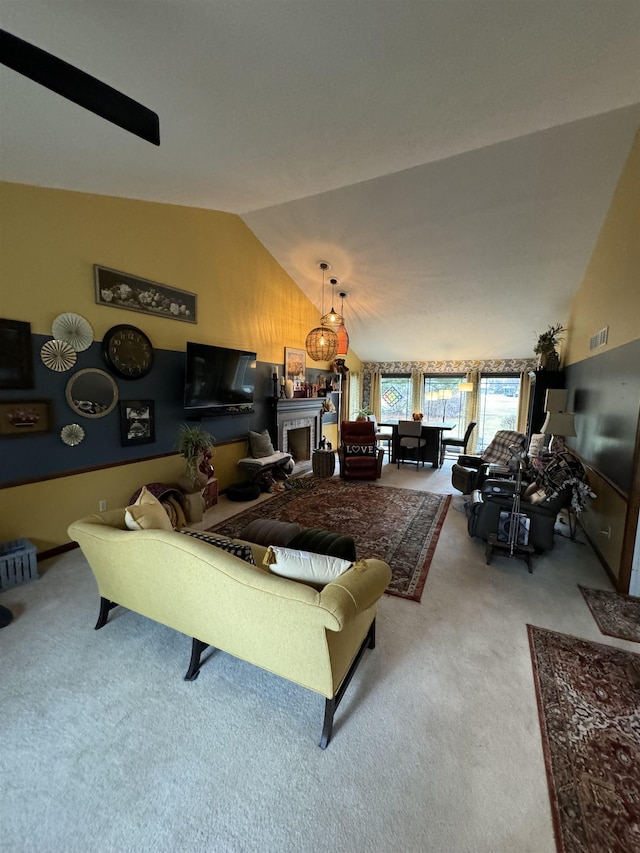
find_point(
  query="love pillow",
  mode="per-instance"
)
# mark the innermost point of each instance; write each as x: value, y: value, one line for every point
x: 359, y: 449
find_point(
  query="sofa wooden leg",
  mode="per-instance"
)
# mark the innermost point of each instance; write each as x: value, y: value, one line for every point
x: 331, y: 705
x: 329, y: 710
x: 197, y: 647
x: 105, y: 607
x: 372, y: 635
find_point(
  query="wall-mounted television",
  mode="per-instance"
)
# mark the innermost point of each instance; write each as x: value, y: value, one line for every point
x: 218, y: 380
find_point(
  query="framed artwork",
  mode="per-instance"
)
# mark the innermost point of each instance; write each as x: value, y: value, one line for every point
x: 295, y: 363
x: 16, y: 359
x: 25, y: 417
x: 121, y: 290
x: 137, y: 422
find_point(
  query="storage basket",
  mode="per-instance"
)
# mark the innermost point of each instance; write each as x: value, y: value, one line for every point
x: 18, y: 563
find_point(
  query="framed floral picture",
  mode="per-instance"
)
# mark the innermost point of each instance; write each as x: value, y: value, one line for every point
x: 121, y: 290
x: 295, y: 363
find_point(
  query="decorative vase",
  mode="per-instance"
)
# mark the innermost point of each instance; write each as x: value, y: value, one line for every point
x: 193, y: 480
x: 288, y: 389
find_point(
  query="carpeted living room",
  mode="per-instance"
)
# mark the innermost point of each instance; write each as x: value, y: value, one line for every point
x: 437, y: 745
x: 259, y: 262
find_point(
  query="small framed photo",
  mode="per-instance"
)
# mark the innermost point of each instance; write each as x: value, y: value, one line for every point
x: 295, y: 363
x: 137, y: 422
x: 16, y: 359
x: 121, y: 290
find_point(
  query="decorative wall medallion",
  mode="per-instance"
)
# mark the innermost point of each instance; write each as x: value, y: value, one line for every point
x: 74, y: 330
x: 58, y: 355
x: 72, y: 434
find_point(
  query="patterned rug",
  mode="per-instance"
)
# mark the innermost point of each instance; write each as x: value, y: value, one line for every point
x: 616, y: 614
x: 399, y: 526
x: 589, y: 706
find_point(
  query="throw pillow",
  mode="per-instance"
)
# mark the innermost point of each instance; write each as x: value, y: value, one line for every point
x: 359, y: 449
x: 147, y: 513
x: 304, y: 566
x: 243, y: 551
x: 260, y: 444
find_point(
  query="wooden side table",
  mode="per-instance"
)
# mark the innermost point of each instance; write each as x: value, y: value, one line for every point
x: 210, y: 493
x: 323, y: 463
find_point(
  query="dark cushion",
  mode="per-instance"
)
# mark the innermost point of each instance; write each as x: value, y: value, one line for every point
x: 269, y: 531
x: 323, y: 542
x: 243, y: 492
x: 243, y: 551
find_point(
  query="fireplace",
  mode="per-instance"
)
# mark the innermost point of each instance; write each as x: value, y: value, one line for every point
x: 299, y: 443
x: 297, y: 426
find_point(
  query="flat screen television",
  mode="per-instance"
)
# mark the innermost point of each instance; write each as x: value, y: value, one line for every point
x: 218, y: 380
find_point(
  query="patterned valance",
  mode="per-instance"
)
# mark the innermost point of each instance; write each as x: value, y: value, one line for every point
x: 494, y: 365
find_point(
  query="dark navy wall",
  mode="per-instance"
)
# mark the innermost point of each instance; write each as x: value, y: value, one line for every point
x: 604, y: 393
x: 45, y: 454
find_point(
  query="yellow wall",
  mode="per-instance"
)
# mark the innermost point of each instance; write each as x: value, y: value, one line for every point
x: 609, y: 295
x: 49, y: 242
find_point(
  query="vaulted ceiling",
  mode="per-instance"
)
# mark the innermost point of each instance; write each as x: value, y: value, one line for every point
x: 452, y: 161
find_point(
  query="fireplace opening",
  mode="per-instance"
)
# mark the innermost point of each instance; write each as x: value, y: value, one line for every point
x: 299, y: 441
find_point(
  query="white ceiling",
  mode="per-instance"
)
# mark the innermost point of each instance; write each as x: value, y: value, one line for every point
x: 452, y: 159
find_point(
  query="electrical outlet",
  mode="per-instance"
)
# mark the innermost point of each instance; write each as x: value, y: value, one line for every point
x: 102, y: 506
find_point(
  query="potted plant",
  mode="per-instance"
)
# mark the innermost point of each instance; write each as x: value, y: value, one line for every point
x: 363, y: 413
x: 545, y: 347
x: 197, y: 447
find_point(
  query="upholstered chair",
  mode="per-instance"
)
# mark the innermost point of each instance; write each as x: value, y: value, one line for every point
x: 469, y: 472
x: 359, y: 456
x: 491, y: 507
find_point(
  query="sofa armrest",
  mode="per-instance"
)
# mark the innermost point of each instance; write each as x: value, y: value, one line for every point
x: 357, y: 590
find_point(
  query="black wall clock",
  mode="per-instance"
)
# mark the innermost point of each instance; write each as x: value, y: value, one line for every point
x: 127, y: 351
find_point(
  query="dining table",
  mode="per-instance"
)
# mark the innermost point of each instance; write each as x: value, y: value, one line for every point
x: 431, y: 431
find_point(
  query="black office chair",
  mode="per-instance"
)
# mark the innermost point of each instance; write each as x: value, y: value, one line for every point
x: 411, y: 443
x: 457, y: 443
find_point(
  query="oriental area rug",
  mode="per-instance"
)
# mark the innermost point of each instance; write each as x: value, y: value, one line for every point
x: 588, y: 702
x: 399, y: 526
x: 616, y: 614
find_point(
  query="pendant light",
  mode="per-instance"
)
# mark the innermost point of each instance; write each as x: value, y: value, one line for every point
x: 341, y: 332
x: 332, y: 319
x: 322, y: 342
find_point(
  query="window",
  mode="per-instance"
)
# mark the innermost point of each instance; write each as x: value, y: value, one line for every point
x: 442, y: 401
x: 395, y: 398
x: 498, y: 407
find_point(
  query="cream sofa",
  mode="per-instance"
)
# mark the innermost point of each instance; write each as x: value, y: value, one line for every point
x: 314, y: 637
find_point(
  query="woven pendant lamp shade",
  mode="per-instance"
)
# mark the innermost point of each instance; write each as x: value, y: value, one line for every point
x: 343, y: 341
x: 322, y: 344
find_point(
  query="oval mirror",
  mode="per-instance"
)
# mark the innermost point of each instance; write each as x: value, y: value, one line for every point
x: 92, y: 393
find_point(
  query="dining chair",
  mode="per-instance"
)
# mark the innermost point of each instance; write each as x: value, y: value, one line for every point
x: 411, y: 442
x: 459, y: 443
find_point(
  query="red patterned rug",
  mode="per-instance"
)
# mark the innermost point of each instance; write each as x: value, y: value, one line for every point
x: 399, y: 526
x: 616, y: 614
x: 589, y: 706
